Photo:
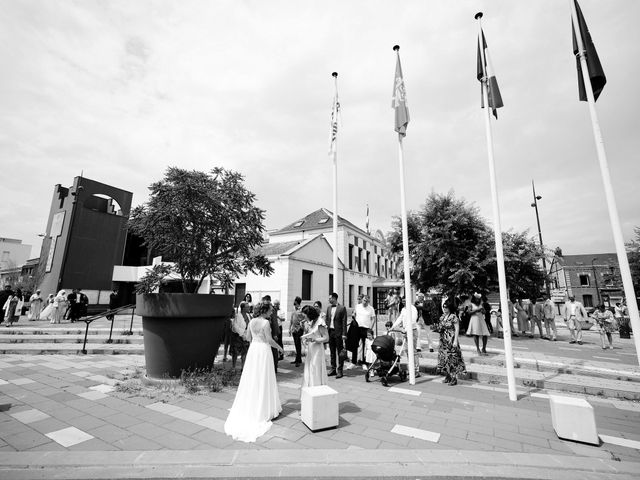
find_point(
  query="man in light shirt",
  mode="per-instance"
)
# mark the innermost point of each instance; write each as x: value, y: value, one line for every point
x: 409, y: 322
x: 549, y: 317
x: 365, y: 316
x: 574, y: 312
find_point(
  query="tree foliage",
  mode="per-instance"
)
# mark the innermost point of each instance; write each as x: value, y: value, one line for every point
x: 205, y: 222
x: 633, y: 254
x: 452, y: 248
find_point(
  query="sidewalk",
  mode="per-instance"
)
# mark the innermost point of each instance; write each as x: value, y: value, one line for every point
x: 65, y: 416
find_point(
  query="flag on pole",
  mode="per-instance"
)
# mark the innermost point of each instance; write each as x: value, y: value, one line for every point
x: 399, y: 101
x: 367, y: 218
x: 335, y: 114
x: 485, y: 70
x: 596, y: 73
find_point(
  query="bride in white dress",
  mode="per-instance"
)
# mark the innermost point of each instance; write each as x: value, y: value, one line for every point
x: 257, y: 400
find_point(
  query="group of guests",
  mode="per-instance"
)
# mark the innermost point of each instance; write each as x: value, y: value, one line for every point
x: 257, y: 400
x: 527, y: 316
x: 54, y: 308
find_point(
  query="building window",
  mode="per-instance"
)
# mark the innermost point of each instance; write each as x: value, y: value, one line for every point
x: 584, y: 280
x: 306, y: 284
x: 330, y: 283
x: 359, y: 259
x: 350, y: 257
x: 587, y: 300
x: 350, y: 296
x: 368, y: 261
x: 355, y: 240
x: 369, y: 293
x: 378, y: 266
x: 386, y: 268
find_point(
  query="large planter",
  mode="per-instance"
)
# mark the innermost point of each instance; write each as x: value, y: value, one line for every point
x: 182, y: 331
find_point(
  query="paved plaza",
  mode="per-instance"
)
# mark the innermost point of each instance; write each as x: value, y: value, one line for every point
x: 72, y: 416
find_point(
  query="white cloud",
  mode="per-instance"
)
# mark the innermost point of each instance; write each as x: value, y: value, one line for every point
x: 120, y: 90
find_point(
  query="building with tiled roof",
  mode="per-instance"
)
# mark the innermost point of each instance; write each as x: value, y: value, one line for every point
x: 591, y: 278
x: 302, y: 254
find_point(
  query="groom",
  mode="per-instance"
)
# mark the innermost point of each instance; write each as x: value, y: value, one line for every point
x: 337, y: 326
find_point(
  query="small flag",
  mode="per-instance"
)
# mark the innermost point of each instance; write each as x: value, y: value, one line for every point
x: 367, y: 218
x: 335, y: 114
x: 596, y: 73
x: 485, y: 70
x: 399, y: 101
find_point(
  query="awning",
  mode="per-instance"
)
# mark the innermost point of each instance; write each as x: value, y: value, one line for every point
x: 381, y: 282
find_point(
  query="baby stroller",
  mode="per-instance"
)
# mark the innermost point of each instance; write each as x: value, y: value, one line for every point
x: 387, y: 361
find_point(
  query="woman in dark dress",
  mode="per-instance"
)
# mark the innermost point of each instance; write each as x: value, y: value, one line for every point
x: 450, y: 359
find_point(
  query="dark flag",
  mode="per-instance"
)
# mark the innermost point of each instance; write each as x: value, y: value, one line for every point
x: 485, y: 69
x: 596, y: 73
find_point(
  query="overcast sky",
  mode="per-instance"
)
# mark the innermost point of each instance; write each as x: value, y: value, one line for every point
x: 120, y: 90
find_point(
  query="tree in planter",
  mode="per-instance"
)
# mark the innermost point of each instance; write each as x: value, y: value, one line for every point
x: 204, y: 222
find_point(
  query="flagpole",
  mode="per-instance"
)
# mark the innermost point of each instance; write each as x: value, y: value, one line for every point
x: 405, y: 256
x: 335, y: 194
x: 497, y: 229
x: 623, y: 261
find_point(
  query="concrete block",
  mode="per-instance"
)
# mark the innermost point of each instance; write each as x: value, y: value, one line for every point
x: 573, y: 419
x: 319, y: 407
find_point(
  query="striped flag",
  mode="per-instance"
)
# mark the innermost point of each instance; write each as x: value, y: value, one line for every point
x: 485, y: 71
x: 399, y: 102
x: 333, y: 134
x: 596, y: 73
x: 367, y: 218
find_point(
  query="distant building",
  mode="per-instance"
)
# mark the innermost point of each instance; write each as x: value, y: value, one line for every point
x: 591, y: 278
x: 85, y: 238
x: 13, y: 253
x: 302, y: 256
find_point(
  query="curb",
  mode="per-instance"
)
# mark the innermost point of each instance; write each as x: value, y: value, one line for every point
x: 309, y: 463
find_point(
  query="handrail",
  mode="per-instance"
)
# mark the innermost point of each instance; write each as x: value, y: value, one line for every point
x: 111, y: 312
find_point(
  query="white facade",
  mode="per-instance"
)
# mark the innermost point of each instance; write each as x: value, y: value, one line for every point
x: 365, y: 264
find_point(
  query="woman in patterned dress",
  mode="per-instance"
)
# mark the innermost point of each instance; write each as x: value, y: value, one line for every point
x: 449, y: 354
x: 606, y: 324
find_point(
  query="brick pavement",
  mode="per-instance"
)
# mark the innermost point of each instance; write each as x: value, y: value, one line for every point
x: 71, y: 404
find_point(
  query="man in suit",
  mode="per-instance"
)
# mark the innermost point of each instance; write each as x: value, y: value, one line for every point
x: 275, y: 329
x: 574, y: 312
x: 337, y: 326
x: 73, y: 308
x: 83, y: 304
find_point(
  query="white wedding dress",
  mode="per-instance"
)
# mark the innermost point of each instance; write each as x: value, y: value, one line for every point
x: 257, y: 400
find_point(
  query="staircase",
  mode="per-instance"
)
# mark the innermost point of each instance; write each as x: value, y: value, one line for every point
x: 532, y: 370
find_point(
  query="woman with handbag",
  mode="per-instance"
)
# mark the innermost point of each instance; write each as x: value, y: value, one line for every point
x: 606, y: 324
x: 450, y: 359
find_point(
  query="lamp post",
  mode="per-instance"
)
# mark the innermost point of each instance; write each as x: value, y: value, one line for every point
x: 595, y: 279
x: 544, y: 261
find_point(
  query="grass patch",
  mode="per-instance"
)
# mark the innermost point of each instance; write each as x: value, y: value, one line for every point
x: 201, y: 381
x: 209, y: 380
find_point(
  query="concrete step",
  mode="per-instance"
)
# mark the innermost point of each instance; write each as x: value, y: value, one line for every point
x: 71, y: 348
x: 73, y: 338
x: 547, y: 380
x: 594, y: 369
x: 71, y: 330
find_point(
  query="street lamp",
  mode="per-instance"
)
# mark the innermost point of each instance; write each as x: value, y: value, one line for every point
x: 544, y: 261
x: 595, y: 278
